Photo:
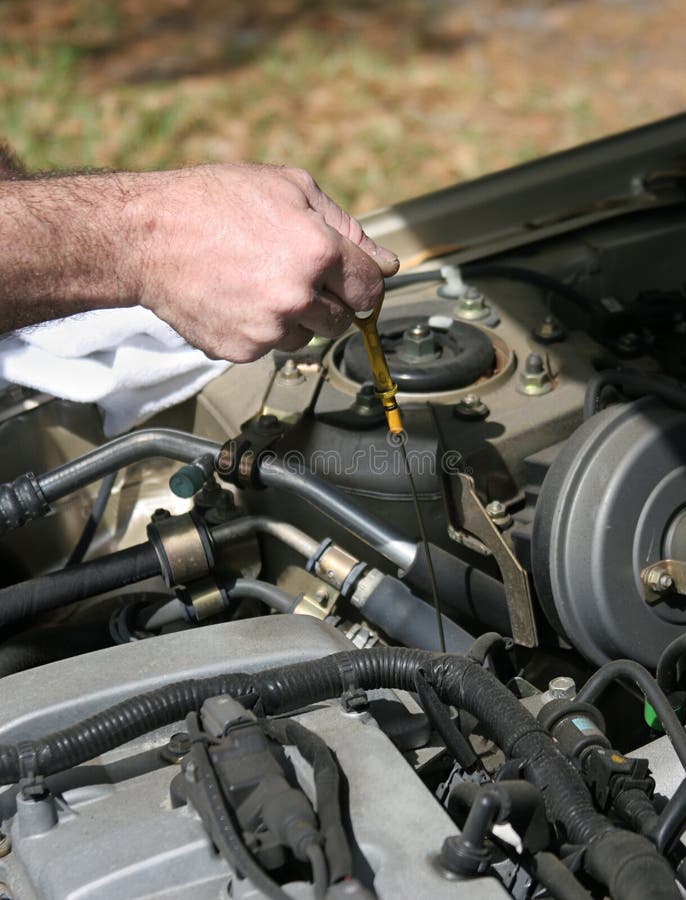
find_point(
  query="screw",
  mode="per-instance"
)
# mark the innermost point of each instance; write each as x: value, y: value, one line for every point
x: 290, y: 373
x: 562, y: 688
x: 471, y: 400
x: 5, y: 844
x: 420, y: 330
x: 322, y: 596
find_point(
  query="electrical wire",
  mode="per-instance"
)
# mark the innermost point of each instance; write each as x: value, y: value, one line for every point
x: 634, y: 384
x: 497, y: 270
x: 94, y: 520
x: 628, y: 669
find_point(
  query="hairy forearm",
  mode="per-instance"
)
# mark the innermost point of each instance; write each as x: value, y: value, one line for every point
x: 65, y: 246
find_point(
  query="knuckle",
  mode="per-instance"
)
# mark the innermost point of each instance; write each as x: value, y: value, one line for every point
x: 304, y: 179
x: 321, y: 250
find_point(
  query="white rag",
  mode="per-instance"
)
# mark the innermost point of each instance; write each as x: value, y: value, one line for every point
x: 128, y: 361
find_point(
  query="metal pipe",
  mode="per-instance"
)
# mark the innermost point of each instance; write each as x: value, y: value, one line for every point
x: 288, y: 534
x: 333, y: 503
x: 120, y: 452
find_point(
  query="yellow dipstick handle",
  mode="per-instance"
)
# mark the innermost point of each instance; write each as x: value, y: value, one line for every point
x: 386, y: 389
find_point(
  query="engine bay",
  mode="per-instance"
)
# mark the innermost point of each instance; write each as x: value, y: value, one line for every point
x: 222, y: 665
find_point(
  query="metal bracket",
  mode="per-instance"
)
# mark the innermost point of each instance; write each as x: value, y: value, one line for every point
x: 471, y: 516
x: 292, y: 390
x: 238, y: 459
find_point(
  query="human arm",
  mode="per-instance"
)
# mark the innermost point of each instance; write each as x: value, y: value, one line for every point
x: 238, y: 258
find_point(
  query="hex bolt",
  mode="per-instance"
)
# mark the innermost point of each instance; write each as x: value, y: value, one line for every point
x: 658, y: 580
x: 562, y: 688
x: 498, y: 514
x: 496, y: 509
x: 472, y: 306
x: 471, y: 406
x: 418, y: 344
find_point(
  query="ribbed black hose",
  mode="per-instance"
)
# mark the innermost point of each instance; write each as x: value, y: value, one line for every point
x: 630, y: 670
x: 327, y: 783
x: 634, y: 384
x: 636, y: 809
x: 38, y: 595
x: 115, y: 726
x: 626, y: 863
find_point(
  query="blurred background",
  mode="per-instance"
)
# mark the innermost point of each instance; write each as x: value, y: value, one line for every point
x: 379, y: 100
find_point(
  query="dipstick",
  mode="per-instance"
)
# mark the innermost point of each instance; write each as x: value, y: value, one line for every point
x: 386, y: 390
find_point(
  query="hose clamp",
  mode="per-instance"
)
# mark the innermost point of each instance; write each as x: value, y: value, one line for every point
x: 184, y: 548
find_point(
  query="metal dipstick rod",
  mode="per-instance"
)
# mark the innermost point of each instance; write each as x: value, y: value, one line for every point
x: 386, y: 391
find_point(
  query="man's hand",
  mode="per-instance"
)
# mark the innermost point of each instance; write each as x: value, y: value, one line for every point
x: 237, y: 258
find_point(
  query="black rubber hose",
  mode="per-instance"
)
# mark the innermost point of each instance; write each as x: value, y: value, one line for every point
x: 38, y: 595
x: 628, y: 864
x: 671, y: 822
x: 93, y: 521
x: 29, y: 496
x: 485, y: 644
x: 556, y: 878
x: 410, y: 621
x: 439, y: 715
x: 465, y: 592
x: 667, y: 674
x: 629, y: 670
x: 635, y: 385
x: 327, y: 782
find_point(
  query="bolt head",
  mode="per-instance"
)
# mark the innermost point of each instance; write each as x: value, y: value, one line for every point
x: 665, y: 582
x: 562, y: 688
x: 496, y: 510
x: 418, y: 343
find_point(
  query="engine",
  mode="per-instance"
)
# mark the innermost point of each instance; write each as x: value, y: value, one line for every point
x: 254, y: 650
